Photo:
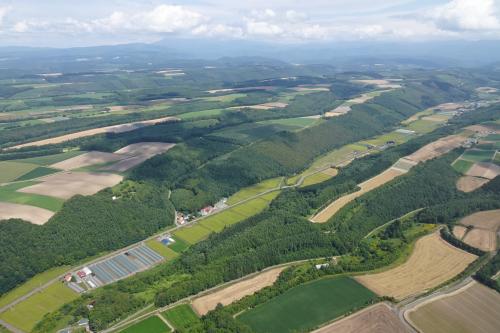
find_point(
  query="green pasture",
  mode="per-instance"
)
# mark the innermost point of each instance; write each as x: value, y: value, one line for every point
x: 462, y: 166
x: 8, y: 193
x: 36, y: 173
x: 423, y: 126
x: 10, y: 171
x: 192, y: 234
x: 253, y: 190
x: 51, y: 159
x: 162, y: 249
x: 179, y: 245
x: 224, y: 98
x: 149, y: 325
x: 315, y: 179
x: 476, y: 155
x: 303, y: 308
x: 199, y: 114
x: 181, y: 317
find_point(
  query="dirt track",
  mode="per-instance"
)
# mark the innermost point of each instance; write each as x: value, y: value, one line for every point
x: 32, y: 214
x: 108, y: 129
x: 432, y: 262
x: 378, y: 318
x: 236, y: 291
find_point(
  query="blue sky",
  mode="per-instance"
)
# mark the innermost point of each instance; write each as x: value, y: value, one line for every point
x: 77, y: 23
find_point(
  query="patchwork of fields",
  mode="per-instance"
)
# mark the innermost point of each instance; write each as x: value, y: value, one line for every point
x: 479, y: 229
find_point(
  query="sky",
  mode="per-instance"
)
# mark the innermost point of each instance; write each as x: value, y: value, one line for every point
x: 65, y: 23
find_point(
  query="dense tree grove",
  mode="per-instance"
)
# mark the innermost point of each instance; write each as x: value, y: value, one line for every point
x: 86, y: 226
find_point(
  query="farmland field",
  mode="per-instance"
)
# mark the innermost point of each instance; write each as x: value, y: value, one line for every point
x: 484, y: 170
x: 462, y: 166
x: 423, y: 126
x: 293, y: 310
x: 181, y: 316
x: 473, y: 308
x: 433, y: 261
x: 485, y: 226
x: 35, y: 215
x: 37, y: 173
x: 165, y: 251
x: 378, y: 318
x: 482, y: 239
x: 51, y: 159
x: 10, y: 171
x: 253, y: 190
x: 9, y: 193
x: 32, y: 283
x: 27, y: 313
x: 316, y: 178
x: 237, y: 291
x: 192, y: 234
x: 200, y: 114
x: 150, y: 325
x: 86, y: 159
x: 476, y: 155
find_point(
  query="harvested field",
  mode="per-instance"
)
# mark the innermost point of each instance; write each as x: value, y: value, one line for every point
x: 32, y: 214
x: 268, y: 106
x: 449, y: 106
x: 482, y: 129
x: 437, y: 118
x: 469, y: 184
x: 459, y: 231
x: 473, y: 308
x: 482, y: 239
x: 488, y: 219
x: 236, y: 291
x: 433, y: 261
x: 64, y: 185
x: 90, y: 158
x: 137, y: 153
x: 437, y: 148
x: 484, y: 170
x: 108, y: 129
x: 378, y: 318
x: 370, y: 184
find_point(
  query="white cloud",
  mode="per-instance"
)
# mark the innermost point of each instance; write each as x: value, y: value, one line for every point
x: 466, y: 15
x: 3, y: 12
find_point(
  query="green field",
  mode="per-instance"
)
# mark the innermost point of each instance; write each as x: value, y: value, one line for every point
x: 10, y: 171
x: 36, y: 173
x: 32, y: 283
x: 8, y: 194
x: 492, y: 137
x: 148, y: 325
x: 307, y: 306
x: 26, y: 314
x: 476, y: 155
x: 462, y: 166
x: 393, y: 136
x: 253, y: 190
x: 192, y: 234
x: 224, y: 98
x: 199, y: 114
x: 181, y: 316
x: 179, y: 245
x: 423, y: 126
x: 163, y: 250
x: 315, y: 179
x: 51, y: 159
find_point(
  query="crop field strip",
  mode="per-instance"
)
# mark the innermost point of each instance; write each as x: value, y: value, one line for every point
x: 181, y: 316
x: 483, y: 234
x: 293, y: 310
x: 152, y: 324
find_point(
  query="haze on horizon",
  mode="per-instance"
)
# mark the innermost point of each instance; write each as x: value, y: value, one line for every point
x: 60, y: 23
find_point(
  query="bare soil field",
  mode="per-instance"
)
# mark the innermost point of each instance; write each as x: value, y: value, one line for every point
x: 482, y: 239
x: 90, y: 158
x: 482, y: 129
x: 236, y: 291
x: 473, y: 308
x: 437, y: 148
x: 469, y: 183
x: 459, y: 231
x: 108, y: 129
x: 433, y: 261
x: 484, y: 170
x: 269, y: 106
x: 378, y: 318
x: 449, y: 106
x: 32, y: 214
x: 338, y: 111
x: 379, y: 180
x: 137, y: 153
x: 385, y: 84
x: 64, y: 185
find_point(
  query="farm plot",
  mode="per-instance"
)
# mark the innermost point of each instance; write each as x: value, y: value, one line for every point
x: 86, y: 159
x: 462, y: 166
x: 136, y: 153
x: 31, y: 214
x: 433, y: 261
x: 10, y: 171
x: 437, y: 148
x: 9, y: 193
x: 108, y: 129
x: 181, y: 316
x: 319, y: 177
x: 378, y: 318
x: 478, y: 155
x: 484, y: 170
x: 379, y: 180
x: 27, y: 313
x: 163, y: 250
x: 64, y: 185
x: 237, y: 291
x: 124, y: 264
x: 37, y: 173
x: 51, y: 159
x: 473, y: 308
x: 469, y: 184
x: 150, y: 325
x: 484, y: 229
x: 459, y: 231
x: 307, y: 306
x: 253, y: 190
